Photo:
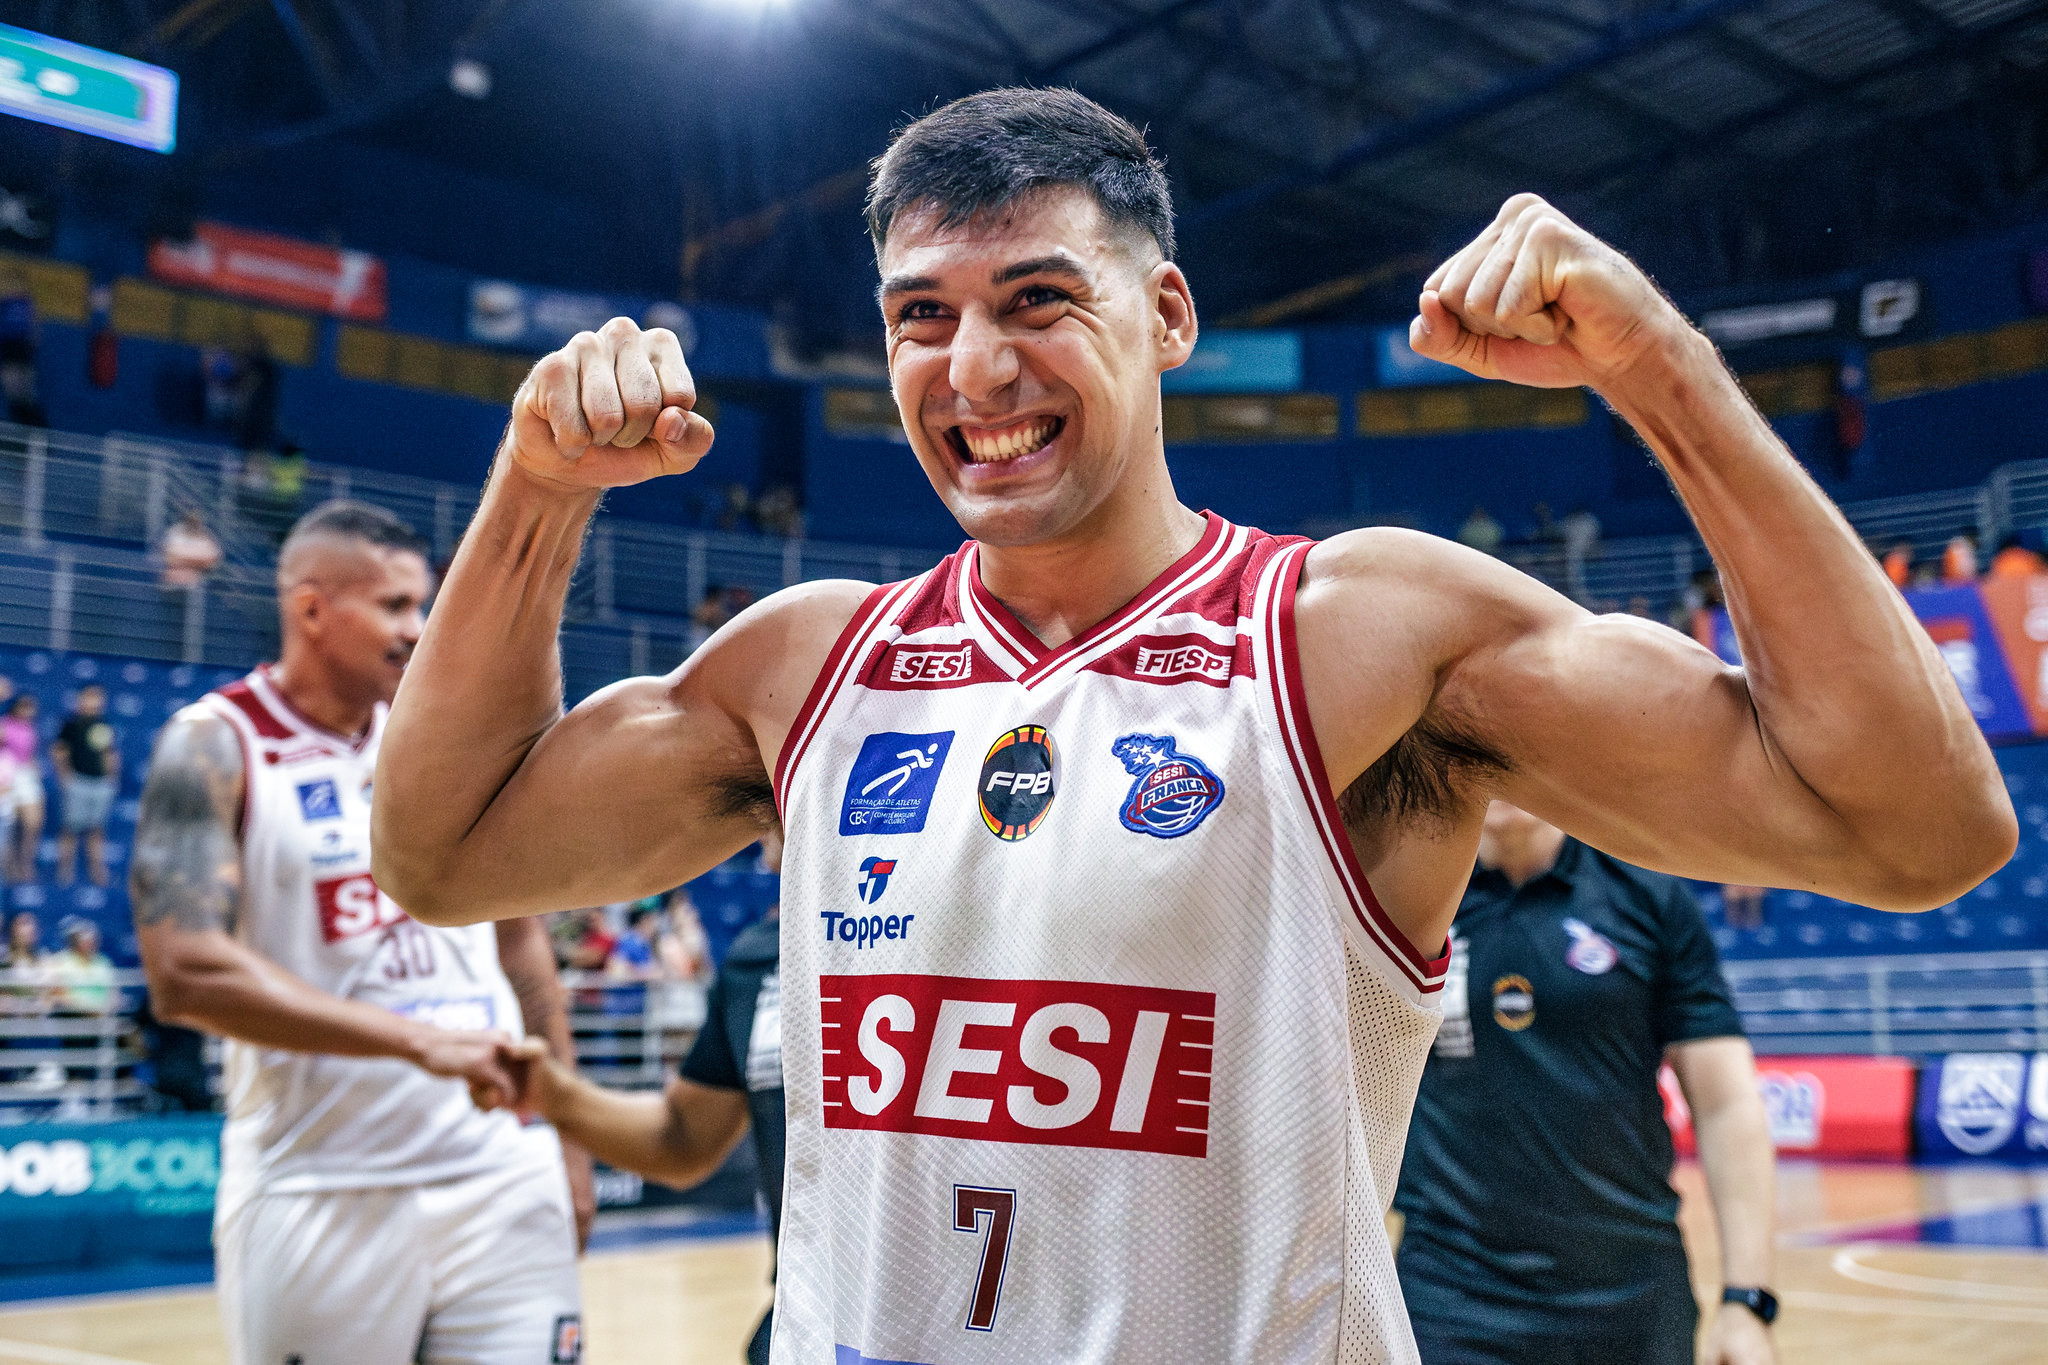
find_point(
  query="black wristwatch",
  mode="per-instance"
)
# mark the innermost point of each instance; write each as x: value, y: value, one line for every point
x: 1761, y: 1302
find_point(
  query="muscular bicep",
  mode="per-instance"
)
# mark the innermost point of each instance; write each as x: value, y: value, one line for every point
x: 650, y: 782
x: 185, y: 873
x: 1638, y: 740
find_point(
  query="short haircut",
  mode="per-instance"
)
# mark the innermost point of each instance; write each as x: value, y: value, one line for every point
x: 351, y: 520
x: 986, y: 151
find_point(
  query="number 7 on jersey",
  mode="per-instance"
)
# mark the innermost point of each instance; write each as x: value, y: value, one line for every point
x: 971, y: 1204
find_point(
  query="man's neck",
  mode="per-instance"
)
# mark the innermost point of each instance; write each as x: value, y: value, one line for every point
x: 1524, y: 860
x: 301, y: 681
x: 1062, y: 588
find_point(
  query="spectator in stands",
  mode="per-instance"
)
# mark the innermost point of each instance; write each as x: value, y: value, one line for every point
x: 588, y: 940
x: 1898, y: 563
x: 220, y: 374
x: 189, y: 552
x: 1580, y: 531
x: 734, y: 506
x: 2015, y: 560
x: 738, y: 597
x: 778, y: 513
x: 82, y: 975
x: 632, y: 955
x: 24, y: 971
x: 1926, y: 574
x: 1545, y: 530
x: 708, y: 615
x: 1742, y: 907
x: 682, y: 947
x: 88, y: 773
x: 1639, y: 605
x: 256, y: 415
x: 18, y: 737
x: 1540, y: 1222
x: 1701, y: 598
x: 18, y: 349
x: 1481, y: 531
x: 1959, y: 559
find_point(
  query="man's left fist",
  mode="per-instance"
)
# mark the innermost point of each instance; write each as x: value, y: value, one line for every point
x: 1536, y: 299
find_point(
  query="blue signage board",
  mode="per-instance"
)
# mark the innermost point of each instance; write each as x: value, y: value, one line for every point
x: 1239, y: 362
x: 1399, y: 367
x: 718, y: 341
x: 84, y: 1194
x: 1992, y: 1105
x: 73, y: 86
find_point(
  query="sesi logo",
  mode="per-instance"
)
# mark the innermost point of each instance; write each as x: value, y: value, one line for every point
x: 1054, y: 1063
x: 931, y: 663
x: 353, y: 905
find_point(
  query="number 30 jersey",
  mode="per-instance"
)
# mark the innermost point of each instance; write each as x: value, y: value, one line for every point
x: 300, y: 1122
x: 1097, y: 1046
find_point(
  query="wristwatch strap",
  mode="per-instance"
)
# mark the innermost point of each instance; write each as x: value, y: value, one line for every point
x: 1761, y: 1302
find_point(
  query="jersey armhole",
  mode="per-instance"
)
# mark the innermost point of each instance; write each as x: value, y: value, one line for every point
x: 839, y: 664
x: 1290, y: 701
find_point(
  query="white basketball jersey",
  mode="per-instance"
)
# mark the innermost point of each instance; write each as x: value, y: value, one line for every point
x: 1097, y: 1045
x: 300, y: 1122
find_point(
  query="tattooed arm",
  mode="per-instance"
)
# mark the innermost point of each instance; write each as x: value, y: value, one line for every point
x: 185, y: 882
x: 528, y: 959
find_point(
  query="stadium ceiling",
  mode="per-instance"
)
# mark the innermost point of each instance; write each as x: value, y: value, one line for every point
x: 1323, y: 151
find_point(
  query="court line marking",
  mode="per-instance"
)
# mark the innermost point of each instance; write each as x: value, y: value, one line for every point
x: 1913, y: 1308
x: 1849, y: 1267
x: 57, y: 1355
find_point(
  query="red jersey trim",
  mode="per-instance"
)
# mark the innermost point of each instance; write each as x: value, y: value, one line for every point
x: 1290, y: 700
x: 1178, y: 577
x: 839, y: 666
x: 243, y: 698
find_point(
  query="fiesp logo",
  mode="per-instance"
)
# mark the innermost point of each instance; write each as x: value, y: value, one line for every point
x: 1054, y: 1063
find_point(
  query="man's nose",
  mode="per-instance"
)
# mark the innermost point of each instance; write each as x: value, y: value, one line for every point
x: 983, y: 361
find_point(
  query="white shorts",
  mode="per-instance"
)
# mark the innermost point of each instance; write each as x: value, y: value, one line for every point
x: 475, y: 1271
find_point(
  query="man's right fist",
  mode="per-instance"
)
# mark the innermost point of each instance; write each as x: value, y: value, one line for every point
x: 613, y: 407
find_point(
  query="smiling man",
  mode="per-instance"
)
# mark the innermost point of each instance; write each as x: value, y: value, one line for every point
x: 1118, y: 1062
x: 363, y: 1199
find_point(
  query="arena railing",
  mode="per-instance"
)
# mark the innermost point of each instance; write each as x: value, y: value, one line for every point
x: 70, y: 1053
x: 1917, y: 1005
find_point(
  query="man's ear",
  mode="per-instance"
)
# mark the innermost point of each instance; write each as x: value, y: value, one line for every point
x: 305, y: 605
x: 1173, y: 318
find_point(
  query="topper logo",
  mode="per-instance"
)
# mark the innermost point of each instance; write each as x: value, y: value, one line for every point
x: 353, y: 905
x: 931, y: 663
x: 1181, y: 662
x: 1055, y: 1063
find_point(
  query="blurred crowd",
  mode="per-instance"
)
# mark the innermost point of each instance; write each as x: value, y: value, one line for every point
x: 83, y: 753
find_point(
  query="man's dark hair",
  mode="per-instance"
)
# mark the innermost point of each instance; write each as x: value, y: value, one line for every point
x: 985, y: 151
x: 358, y: 521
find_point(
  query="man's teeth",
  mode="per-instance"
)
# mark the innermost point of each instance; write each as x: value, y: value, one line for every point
x: 987, y: 447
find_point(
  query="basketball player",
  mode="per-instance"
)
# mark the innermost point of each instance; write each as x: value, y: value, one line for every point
x: 1116, y: 1061
x: 367, y: 1213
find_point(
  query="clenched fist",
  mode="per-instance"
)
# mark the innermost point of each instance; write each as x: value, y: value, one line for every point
x: 1536, y: 299
x: 613, y: 407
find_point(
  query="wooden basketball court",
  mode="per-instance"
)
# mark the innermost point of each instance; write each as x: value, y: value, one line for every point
x: 1880, y: 1265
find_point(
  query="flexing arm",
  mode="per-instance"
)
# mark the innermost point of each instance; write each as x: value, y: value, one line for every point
x: 489, y: 802
x: 1841, y: 759
x: 185, y: 882
x: 1718, y: 1076
x: 678, y: 1137
x: 528, y: 959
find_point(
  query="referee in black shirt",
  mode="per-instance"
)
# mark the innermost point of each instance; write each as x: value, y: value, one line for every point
x: 731, y: 1080
x: 1539, y: 1222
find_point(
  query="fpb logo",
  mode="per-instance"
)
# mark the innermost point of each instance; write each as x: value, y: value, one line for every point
x: 1018, y: 782
x: 874, y: 878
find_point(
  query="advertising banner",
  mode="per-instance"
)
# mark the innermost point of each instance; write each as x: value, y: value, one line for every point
x: 282, y: 270
x: 1878, y: 310
x: 1399, y: 367
x: 1984, y: 1104
x: 69, y: 85
x: 95, y: 1193
x: 1992, y: 634
x: 1239, y: 362
x: 1821, y: 1106
x: 720, y: 341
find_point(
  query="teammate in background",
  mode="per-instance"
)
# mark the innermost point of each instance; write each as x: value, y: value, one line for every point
x: 367, y: 1213
x: 731, y: 1080
x: 1122, y: 1066
x: 1540, y: 1224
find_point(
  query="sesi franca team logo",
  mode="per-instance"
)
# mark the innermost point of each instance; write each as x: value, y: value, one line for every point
x: 1018, y: 782
x: 1174, y: 792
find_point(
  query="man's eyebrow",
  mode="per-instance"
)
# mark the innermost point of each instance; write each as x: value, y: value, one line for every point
x: 905, y: 284
x: 1058, y: 263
